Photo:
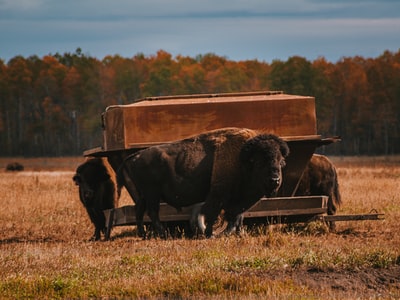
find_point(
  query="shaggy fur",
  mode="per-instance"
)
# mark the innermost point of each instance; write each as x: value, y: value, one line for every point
x: 320, y: 178
x: 97, y: 191
x: 229, y: 168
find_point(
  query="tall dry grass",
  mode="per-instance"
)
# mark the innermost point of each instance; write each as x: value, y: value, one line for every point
x: 45, y: 252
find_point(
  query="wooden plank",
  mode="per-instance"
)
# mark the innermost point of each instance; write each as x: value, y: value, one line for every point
x: 282, y: 206
x: 285, y: 212
x: 126, y: 215
x: 93, y: 151
x: 220, y: 95
x: 356, y: 217
x: 289, y: 203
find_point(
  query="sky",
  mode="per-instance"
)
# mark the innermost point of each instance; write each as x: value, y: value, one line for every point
x: 265, y: 30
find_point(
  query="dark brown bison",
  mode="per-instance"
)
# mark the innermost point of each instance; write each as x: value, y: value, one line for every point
x: 14, y: 166
x: 97, y: 191
x: 229, y: 169
x: 320, y: 178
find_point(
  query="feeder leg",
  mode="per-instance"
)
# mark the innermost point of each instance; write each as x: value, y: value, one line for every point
x: 109, y: 225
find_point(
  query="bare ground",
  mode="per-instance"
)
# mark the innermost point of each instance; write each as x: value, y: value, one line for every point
x: 381, y: 283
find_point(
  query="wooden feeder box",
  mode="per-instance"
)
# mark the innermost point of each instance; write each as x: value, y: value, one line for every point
x: 158, y: 120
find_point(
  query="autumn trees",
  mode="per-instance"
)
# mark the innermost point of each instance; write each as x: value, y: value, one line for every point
x: 356, y: 98
x: 52, y: 105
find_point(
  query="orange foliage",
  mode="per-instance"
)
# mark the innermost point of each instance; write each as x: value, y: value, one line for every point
x: 356, y: 98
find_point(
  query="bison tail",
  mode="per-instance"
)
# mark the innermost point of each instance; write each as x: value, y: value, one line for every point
x: 336, y: 192
x: 120, y: 176
x: 121, y: 168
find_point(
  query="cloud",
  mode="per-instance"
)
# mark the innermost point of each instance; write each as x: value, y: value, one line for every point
x: 122, y: 9
x: 238, y: 29
x: 19, y: 5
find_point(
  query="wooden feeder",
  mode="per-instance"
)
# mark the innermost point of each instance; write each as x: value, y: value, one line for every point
x: 157, y: 120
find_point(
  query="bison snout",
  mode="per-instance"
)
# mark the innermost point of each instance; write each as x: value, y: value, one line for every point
x: 275, y: 182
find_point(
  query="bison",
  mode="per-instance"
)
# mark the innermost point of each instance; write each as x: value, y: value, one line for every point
x: 320, y: 178
x: 14, y: 166
x: 98, y: 191
x: 228, y: 169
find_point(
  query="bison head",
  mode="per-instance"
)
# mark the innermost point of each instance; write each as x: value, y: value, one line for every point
x: 88, y: 177
x: 261, y: 159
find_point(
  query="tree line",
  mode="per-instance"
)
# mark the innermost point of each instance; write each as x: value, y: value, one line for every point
x: 51, y: 106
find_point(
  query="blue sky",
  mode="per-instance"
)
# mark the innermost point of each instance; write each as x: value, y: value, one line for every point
x: 237, y: 29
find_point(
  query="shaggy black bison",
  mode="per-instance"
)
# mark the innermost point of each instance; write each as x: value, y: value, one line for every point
x: 14, y: 166
x: 228, y: 169
x: 320, y: 178
x: 97, y: 191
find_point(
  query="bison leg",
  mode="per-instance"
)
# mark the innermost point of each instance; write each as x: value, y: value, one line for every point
x: 208, y: 215
x: 98, y: 219
x: 96, y: 235
x: 209, y: 228
x: 152, y: 205
x: 153, y: 212
x: 234, y: 224
x: 140, y: 209
x: 331, y: 211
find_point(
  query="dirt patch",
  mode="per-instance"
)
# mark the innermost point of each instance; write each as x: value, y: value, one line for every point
x: 370, y: 281
x: 364, y: 283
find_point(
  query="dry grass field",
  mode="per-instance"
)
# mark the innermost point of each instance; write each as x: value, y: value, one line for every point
x: 45, y: 252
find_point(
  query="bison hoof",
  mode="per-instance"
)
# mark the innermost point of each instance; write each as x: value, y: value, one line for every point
x: 141, y: 232
x: 209, y: 234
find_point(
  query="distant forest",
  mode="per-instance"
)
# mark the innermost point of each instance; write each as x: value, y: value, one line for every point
x: 51, y: 106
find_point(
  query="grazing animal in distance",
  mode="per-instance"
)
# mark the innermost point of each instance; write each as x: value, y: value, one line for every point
x: 14, y: 166
x: 228, y: 169
x: 98, y: 191
x: 320, y: 178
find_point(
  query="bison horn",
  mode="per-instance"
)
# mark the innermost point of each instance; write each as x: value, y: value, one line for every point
x: 275, y: 181
x: 201, y: 222
x: 194, y: 216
